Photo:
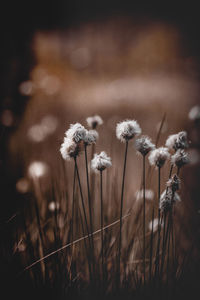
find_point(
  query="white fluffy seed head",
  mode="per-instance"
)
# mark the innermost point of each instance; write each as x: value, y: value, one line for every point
x: 69, y: 149
x: 144, y: 145
x: 194, y: 113
x: 76, y: 132
x: 174, y: 183
x: 91, y: 137
x: 180, y: 158
x: 94, y: 121
x: 158, y: 157
x: 127, y: 130
x: 177, y: 141
x: 167, y: 199
x: 100, y: 162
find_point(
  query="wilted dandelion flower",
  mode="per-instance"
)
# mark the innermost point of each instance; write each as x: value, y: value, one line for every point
x: 144, y: 145
x: 177, y: 141
x: 100, y: 162
x: 37, y: 169
x: 94, y: 121
x: 69, y: 149
x: 180, y: 158
x: 127, y: 130
x: 149, y: 194
x: 194, y: 113
x: 174, y: 183
x: 167, y: 198
x: 76, y: 132
x: 91, y: 137
x: 158, y: 157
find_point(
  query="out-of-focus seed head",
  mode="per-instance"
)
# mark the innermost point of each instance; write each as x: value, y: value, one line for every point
x: 153, y: 224
x: 194, y: 113
x: 149, y: 195
x: 37, y: 169
x: 94, y: 121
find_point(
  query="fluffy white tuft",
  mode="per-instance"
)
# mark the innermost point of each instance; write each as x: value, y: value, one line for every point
x: 144, y: 145
x: 174, y: 183
x: 91, y: 137
x: 180, y: 158
x: 177, y: 141
x: 167, y: 199
x: 158, y: 157
x: 127, y: 130
x: 100, y: 162
x: 76, y: 132
x: 69, y: 149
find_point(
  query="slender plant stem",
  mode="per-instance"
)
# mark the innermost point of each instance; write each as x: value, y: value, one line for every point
x: 121, y: 211
x: 89, y: 202
x: 82, y: 200
x: 151, y: 246
x: 159, y: 227
x: 73, y: 204
x: 144, y: 213
x: 102, y: 240
x: 85, y: 244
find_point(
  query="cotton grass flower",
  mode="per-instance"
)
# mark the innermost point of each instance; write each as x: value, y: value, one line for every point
x: 174, y: 183
x: 144, y: 145
x: 127, y: 130
x: 167, y: 199
x: 76, y: 133
x: 158, y: 157
x: 69, y: 149
x: 180, y: 158
x: 94, y: 121
x: 100, y: 162
x: 177, y: 141
x: 91, y: 137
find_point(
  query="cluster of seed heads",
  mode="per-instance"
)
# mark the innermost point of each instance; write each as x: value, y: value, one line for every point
x: 78, y: 136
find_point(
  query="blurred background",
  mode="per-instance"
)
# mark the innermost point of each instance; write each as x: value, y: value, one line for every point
x: 62, y: 61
